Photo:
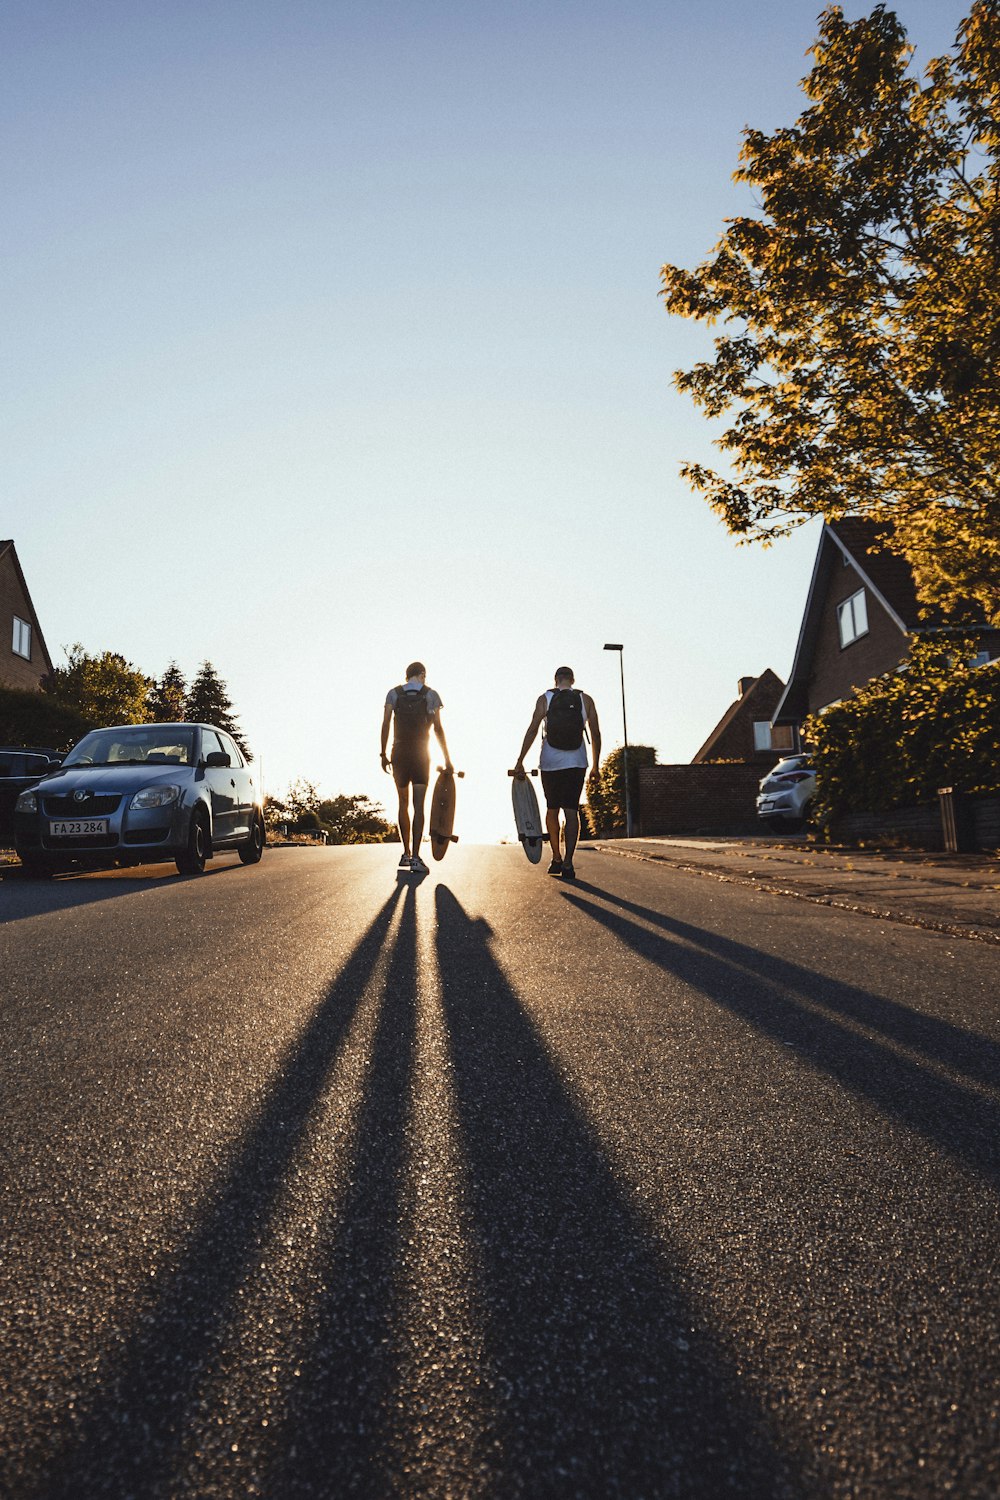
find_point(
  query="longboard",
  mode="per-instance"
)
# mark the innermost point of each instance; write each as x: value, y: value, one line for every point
x: 529, y: 824
x: 443, y: 813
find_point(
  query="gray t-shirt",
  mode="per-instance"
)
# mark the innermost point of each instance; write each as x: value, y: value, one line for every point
x: 413, y: 686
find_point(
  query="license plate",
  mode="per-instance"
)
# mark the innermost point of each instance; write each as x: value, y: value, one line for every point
x: 76, y: 828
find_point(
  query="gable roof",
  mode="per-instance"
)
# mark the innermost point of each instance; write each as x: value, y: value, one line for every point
x: 7, y: 548
x: 762, y: 688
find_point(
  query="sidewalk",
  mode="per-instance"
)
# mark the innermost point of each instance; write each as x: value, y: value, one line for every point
x: 953, y: 893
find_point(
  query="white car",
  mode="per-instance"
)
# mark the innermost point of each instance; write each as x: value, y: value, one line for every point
x: 786, y: 794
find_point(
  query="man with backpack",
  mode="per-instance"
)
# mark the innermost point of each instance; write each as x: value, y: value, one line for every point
x: 568, y: 715
x: 413, y: 709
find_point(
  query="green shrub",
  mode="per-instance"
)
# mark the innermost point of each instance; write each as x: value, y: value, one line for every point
x: 903, y: 736
x: 28, y: 718
x: 606, y: 790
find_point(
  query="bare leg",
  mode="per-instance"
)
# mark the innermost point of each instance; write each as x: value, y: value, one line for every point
x: 552, y: 826
x: 404, y: 817
x: 572, y: 832
x: 419, y: 793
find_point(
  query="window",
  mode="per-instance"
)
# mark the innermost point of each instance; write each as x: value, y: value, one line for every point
x: 22, y: 639
x: 761, y: 734
x: 981, y: 659
x: 852, y: 618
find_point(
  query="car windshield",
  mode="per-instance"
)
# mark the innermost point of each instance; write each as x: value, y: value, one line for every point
x: 145, y: 745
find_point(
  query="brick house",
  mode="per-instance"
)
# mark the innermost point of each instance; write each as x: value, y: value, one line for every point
x: 24, y: 657
x: 861, y: 613
x: 717, y: 792
x: 745, y: 731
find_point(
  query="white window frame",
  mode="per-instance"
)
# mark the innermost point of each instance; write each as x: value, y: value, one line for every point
x: 852, y: 619
x: 21, y: 644
x: 762, y: 734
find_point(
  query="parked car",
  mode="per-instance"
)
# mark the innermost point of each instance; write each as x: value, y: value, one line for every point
x: 786, y: 794
x: 20, y: 766
x: 139, y: 793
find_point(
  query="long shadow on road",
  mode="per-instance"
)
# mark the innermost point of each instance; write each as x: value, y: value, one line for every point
x: 136, y: 1413
x: 609, y: 1386
x: 339, y: 1416
x: 819, y: 1016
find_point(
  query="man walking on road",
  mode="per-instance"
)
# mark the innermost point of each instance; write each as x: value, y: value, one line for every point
x: 568, y: 715
x: 414, y: 709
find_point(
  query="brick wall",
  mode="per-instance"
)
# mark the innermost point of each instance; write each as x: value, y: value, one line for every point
x: 837, y: 670
x: 699, y: 799
x: 15, y: 671
x: 921, y: 827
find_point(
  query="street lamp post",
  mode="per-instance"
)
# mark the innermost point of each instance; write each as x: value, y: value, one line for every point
x: 619, y: 647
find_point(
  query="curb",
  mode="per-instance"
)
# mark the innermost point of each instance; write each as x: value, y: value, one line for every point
x: 883, y: 914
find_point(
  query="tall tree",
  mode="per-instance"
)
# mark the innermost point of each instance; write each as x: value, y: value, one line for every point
x: 859, y: 369
x: 168, y: 697
x: 208, y: 702
x: 105, y: 689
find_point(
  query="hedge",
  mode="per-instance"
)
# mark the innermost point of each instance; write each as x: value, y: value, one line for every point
x: 901, y: 737
x: 28, y: 718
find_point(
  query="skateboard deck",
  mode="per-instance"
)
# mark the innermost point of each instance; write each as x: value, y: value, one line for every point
x: 443, y: 813
x: 529, y: 824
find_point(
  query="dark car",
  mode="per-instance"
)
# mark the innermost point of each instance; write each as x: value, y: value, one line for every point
x: 139, y: 793
x: 20, y: 766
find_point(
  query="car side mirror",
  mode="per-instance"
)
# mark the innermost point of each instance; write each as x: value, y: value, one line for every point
x: 217, y: 758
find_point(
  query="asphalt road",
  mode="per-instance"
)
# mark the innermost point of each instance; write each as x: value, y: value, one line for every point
x: 316, y: 1182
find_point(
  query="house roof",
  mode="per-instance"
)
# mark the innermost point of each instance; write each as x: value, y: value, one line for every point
x: 762, y: 686
x: 8, y: 546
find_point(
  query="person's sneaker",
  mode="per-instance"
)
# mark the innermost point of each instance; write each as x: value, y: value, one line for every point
x: 556, y: 867
x: 404, y: 861
x: 417, y: 865
x: 568, y: 872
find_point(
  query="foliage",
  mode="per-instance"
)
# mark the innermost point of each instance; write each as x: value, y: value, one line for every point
x: 901, y: 737
x: 859, y: 369
x: 346, y: 819
x: 276, y: 811
x: 28, y: 718
x: 356, y: 820
x: 168, y: 697
x: 606, y: 789
x: 208, y: 702
x: 104, y: 689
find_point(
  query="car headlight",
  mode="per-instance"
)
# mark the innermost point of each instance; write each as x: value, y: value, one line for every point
x: 27, y: 802
x: 155, y: 796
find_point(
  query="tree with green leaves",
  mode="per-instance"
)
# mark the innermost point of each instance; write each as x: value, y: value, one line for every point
x: 208, y: 702
x: 356, y: 820
x: 106, y: 689
x: 168, y: 697
x: 858, y: 366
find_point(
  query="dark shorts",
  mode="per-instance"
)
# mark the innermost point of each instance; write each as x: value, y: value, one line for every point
x: 564, y: 788
x: 411, y: 763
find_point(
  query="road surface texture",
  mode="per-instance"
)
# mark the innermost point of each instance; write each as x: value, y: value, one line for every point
x: 319, y: 1182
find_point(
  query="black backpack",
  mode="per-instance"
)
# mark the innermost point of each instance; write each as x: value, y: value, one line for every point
x: 412, y: 720
x: 564, y: 720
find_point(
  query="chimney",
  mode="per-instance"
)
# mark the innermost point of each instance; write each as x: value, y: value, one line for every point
x: 745, y: 684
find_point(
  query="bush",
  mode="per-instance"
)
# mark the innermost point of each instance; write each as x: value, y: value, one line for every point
x: 903, y: 736
x: 606, y: 789
x: 28, y: 718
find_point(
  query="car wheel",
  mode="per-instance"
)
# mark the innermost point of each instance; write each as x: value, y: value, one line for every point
x: 251, y: 851
x: 192, y: 861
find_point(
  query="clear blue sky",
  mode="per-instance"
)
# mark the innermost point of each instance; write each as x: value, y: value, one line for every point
x: 332, y: 339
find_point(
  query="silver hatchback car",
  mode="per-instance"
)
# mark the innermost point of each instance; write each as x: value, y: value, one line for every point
x: 140, y: 793
x: 787, y: 793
